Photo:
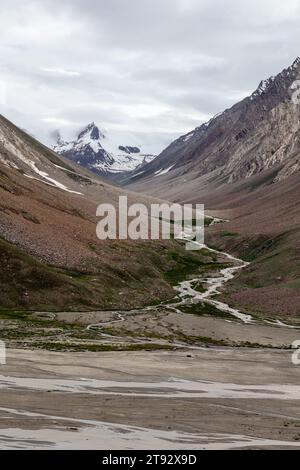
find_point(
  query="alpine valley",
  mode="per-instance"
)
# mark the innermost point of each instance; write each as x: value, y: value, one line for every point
x: 244, y: 165
x: 142, y: 344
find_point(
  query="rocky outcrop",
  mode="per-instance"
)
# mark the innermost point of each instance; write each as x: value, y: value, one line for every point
x: 129, y: 149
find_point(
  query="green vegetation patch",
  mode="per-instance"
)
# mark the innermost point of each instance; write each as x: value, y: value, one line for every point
x: 294, y: 284
x: 205, y: 308
x: 64, y: 346
x: 229, y: 234
x: 183, y: 266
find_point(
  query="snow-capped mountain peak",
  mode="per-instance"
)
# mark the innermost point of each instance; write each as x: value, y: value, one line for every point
x: 91, y: 132
x: 91, y: 137
x: 97, y: 151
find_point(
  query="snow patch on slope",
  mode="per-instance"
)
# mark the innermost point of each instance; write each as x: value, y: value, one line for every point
x: 163, y: 171
x: 13, y: 147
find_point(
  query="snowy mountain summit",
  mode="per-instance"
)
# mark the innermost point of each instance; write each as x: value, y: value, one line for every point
x: 95, y: 150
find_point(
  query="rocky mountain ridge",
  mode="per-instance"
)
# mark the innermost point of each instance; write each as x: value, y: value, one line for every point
x: 260, y: 132
x: 94, y: 150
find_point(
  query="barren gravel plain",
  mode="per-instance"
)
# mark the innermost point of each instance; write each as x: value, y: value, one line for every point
x: 217, y: 398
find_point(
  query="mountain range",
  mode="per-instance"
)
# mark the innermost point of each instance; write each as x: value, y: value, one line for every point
x: 244, y: 166
x: 96, y: 151
x: 258, y: 133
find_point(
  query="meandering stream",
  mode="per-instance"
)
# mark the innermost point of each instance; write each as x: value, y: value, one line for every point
x: 189, y: 295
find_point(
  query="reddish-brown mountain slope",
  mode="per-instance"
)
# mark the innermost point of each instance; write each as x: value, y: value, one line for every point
x: 49, y: 253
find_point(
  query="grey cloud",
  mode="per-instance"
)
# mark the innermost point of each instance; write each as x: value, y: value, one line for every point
x: 152, y: 69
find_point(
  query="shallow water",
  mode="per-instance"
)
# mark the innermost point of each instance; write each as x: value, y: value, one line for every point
x: 102, y: 435
x: 172, y: 388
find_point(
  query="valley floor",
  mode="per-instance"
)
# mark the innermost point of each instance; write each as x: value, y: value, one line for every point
x: 218, y: 398
x: 189, y: 373
x: 195, y: 317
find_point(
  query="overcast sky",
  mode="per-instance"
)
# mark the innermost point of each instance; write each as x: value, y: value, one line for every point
x: 145, y: 70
